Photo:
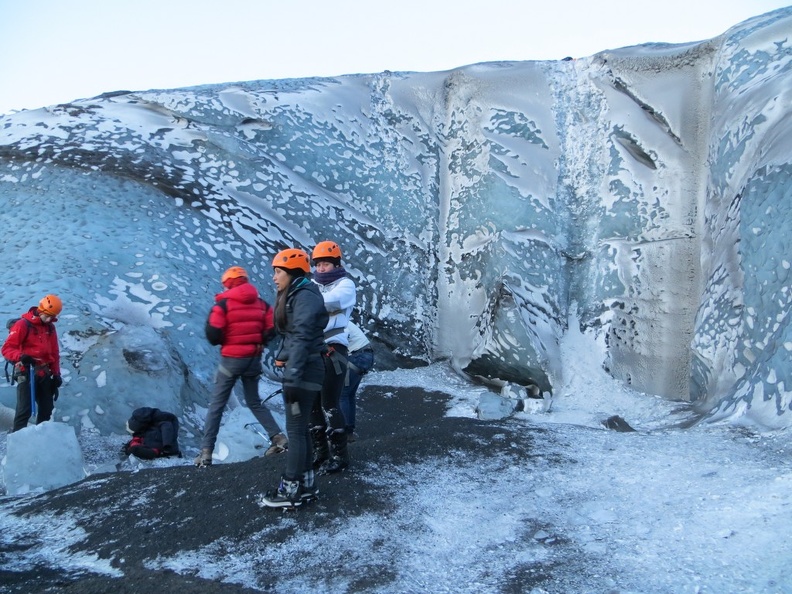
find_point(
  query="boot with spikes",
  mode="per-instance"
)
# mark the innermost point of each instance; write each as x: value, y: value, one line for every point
x: 287, y: 495
x: 339, y: 459
x: 310, y: 490
x: 321, y: 449
x: 204, y: 458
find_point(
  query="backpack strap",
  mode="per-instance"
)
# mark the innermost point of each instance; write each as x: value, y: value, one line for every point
x: 11, y: 323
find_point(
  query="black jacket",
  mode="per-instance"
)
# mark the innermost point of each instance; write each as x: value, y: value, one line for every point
x: 303, y: 337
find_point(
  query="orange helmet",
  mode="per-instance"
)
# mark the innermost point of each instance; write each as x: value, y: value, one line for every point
x: 327, y: 249
x: 50, y: 305
x: 233, y: 272
x: 292, y: 259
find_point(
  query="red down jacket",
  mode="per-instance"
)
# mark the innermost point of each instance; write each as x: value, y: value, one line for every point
x: 240, y: 321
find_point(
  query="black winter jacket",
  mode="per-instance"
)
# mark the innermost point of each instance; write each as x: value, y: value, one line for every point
x: 303, y: 337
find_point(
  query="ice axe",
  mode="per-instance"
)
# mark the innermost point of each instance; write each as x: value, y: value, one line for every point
x: 275, y: 393
x: 254, y: 428
x: 33, y: 411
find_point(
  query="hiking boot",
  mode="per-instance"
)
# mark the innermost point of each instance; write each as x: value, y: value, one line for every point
x: 321, y: 449
x: 204, y: 458
x: 278, y: 445
x: 288, y: 494
x: 310, y: 490
x: 333, y: 465
x: 340, y: 458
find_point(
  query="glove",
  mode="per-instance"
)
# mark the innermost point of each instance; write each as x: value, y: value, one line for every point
x: 55, y: 395
x: 27, y: 360
x: 57, y: 381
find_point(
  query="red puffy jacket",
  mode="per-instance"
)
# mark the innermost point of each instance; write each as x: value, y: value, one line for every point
x: 30, y: 336
x: 240, y: 322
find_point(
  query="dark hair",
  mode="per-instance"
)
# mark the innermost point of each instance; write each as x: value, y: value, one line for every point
x: 280, y: 298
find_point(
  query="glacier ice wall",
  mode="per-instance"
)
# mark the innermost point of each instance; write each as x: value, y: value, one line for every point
x: 641, y: 190
x: 742, y: 333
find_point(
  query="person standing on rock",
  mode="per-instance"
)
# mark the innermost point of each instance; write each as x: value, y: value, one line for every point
x: 241, y: 323
x: 32, y: 344
x: 327, y: 421
x: 300, y: 318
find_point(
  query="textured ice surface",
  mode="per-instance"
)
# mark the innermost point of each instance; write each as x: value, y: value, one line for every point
x: 643, y: 189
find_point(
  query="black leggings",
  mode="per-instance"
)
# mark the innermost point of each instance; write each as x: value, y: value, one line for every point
x: 326, y: 413
x: 299, y: 456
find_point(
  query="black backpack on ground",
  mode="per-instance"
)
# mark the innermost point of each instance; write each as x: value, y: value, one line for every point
x: 155, y: 434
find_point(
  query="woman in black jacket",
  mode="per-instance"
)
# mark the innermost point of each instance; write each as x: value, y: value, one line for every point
x: 300, y: 318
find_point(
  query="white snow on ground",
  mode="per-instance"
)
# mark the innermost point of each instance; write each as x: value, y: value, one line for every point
x: 662, y: 509
x: 55, y: 538
x: 705, y: 509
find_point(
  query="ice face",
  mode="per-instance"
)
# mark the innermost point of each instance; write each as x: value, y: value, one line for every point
x: 741, y: 346
x: 639, y: 194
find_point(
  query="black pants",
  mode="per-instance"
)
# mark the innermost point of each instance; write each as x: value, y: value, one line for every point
x: 299, y: 456
x: 326, y: 413
x: 44, y: 400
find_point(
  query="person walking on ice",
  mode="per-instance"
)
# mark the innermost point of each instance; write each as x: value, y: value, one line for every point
x: 241, y: 323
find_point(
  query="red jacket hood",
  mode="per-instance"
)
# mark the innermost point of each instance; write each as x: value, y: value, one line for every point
x: 245, y: 293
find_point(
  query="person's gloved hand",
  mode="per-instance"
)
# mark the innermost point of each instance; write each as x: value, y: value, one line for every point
x: 57, y: 381
x: 26, y: 360
x: 55, y: 395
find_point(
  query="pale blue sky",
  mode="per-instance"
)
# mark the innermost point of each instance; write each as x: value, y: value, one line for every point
x: 55, y: 51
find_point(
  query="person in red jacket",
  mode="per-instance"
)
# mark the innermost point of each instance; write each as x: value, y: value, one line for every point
x: 241, y: 323
x: 32, y: 344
